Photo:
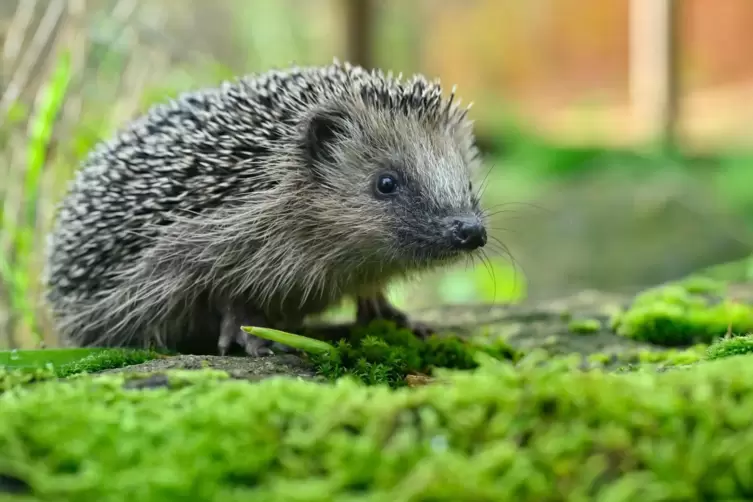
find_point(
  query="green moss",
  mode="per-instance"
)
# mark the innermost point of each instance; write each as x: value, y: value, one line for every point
x: 12, y: 377
x: 498, y: 433
x: 701, y: 284
x: 104, y: 360
x: 690, y: 356
x: 638, y: 360
x: 39, y: 358
x: 585, y: 326
x: 65, y: 362
x: 383, y: 354
x: 599, y: 358
x: 677, y: 314
x: 651, y: 356
x: 651, y: 360
x: 96, y: 361
x: 733, y: 346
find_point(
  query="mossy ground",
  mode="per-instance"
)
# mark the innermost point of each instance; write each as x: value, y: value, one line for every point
x: 501, y: 432
x: 502, y: 425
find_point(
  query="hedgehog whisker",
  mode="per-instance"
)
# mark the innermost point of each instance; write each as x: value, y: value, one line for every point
x: 484, y: 185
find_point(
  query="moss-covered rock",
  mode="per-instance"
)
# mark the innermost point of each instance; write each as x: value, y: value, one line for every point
x: 684, y: 313
x: 499, y: 433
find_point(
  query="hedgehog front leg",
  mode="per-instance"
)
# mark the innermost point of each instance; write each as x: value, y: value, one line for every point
x: 379, y: 307
x: 233, y: 317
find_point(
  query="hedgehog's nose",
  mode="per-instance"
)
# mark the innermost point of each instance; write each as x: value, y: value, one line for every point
x: 467, y: 233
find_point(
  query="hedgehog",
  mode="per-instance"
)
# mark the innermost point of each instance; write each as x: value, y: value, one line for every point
x: 262, y: 202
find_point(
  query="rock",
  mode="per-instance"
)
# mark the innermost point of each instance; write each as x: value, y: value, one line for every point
x: 238, y: 367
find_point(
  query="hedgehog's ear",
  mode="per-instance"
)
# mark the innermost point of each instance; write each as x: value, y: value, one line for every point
x: 324, y: 128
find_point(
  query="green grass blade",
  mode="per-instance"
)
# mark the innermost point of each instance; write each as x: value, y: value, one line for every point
x: 296, y: 341
x: 42, y: 124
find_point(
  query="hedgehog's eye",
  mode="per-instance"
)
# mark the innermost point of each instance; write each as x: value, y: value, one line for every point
x: 386, y: 184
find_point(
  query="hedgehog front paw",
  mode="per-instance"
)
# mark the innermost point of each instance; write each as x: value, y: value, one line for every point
x: 378, y: 307
x: 421, y: 330
x: 252, y: 345
x: 231, y: 332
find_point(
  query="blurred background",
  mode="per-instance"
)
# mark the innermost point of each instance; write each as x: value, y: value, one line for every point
x: 616, y: 135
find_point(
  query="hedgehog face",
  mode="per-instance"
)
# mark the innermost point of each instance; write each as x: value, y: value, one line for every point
x: 407, y: 183
x: 434, y: 215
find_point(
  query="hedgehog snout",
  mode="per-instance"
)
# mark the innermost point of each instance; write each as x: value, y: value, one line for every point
x: 465, y: 232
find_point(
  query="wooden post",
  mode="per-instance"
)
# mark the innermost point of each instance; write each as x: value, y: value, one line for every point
x: 654, y: 86
x: 359, y: 27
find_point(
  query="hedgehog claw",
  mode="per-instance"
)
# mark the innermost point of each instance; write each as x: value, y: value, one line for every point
x: 378, y: 307
x: 252, y: 345
x: 231, y: 333
x: 420, y: 329
x: 256, y: 347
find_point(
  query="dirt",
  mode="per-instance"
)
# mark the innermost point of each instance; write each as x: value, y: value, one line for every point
x: 543, y: 325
